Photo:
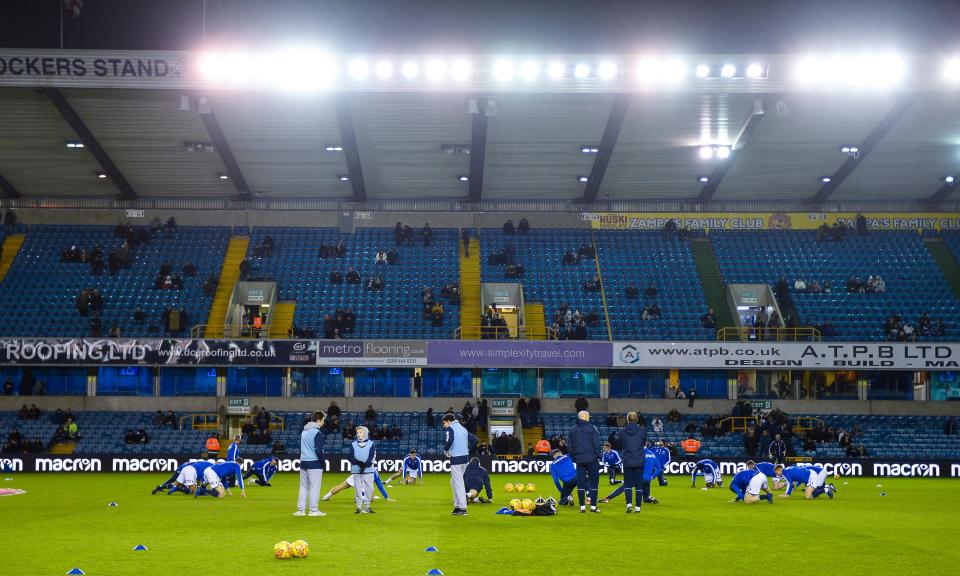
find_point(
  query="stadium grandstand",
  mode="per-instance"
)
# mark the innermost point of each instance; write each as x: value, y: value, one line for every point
x: 750, y: 255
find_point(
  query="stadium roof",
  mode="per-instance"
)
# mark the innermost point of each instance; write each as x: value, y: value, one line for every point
x: 625, y: 134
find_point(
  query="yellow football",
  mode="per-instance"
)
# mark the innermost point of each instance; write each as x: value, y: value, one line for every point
x: 515, y: 504
x: 282, y: 550
x: 528, y: 504
x: 531, y: 487
x: 300, y: 549
x: 508, y: 487
x: 520, y: 487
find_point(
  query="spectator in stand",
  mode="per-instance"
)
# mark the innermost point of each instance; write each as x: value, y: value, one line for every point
x: 570, y: 257
x: 393, y: 257
x: 34, y: 412
x: 592, y: 285
x: 352, y: 277
x: 941, y: 329
x: 427, y: 235
x: 23, y: 413
x: 96, y: 325
x: 8, y: 387
x: 632, y: 291
x: 651, y: 291
x: 436, y: 314
x: 262, y: 420
x: 669, y: 227
x: 72, y: 430
x: 709, y: 320
x: 9, y: 222
x: 408, y: 235
x: 691, y: 397
x: 336, y: 277
x: 381, y: 257
x: 370, y: 416
x: 267, y: 246
x: 581, y: 405
x: 130, y: 437
x: 523, y: 226
x: 245, y: 268
x: 508, y: 227
x: 828, y: 331
x: 924, y: 325
x: 333, y: 410
x: 949, y: 427
x: 170, y: 420
x: 861, y: 223
x: 114, y: 331
x: 139, y: 317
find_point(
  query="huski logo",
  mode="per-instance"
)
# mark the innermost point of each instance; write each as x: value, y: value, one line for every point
x: 930, y: 470
x: 299, y: 346
x: 144, y: 464
x: 68, y: 465
x: 11, y: 465
x: 628, y: 354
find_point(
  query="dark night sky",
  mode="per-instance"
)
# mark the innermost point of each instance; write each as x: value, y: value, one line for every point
x: 588, y: 26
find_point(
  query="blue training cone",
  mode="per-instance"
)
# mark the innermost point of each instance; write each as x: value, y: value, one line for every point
x: 435, y: 572
x: 139, y: 548
x: 76, y: 571
x: 431, y: 549
x: 112, y: 505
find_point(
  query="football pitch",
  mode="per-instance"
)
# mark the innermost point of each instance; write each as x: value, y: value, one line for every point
x: 64, y: 522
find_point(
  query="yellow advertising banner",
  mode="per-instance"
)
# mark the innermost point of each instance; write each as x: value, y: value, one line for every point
x: 771, y: 220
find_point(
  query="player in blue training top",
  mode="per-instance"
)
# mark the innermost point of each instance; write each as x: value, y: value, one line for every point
x: 651, y: 469
x: 172, y: 480
x: 475, y: 480
x: 611, y: 459
x: 747, y: 485
x: 212, y: 484
x: 349, y: 483
x: 564, y: 473
x: 773, y: 472
x: 664, y: 458
x: 264, y: 470
x: 233, y: 451
x: 710, y: 471
x: 186, y: 480
x: 412, y: 470
x: 813, y: 476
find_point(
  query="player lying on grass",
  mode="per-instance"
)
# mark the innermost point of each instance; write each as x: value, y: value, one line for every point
x: 264, y: 470
x: 774, y: 473
x: 664, y: 458
x: 412, y: 470
x: 813, y: 476
x: 475, y: 479
x: 611, y: 459
x: 349, y: 483
x: 651, y: 470
x: 186, y: 480
x: 564, y: 473
x: 710, y: 471
x: 213, y: 485
x: 747, y: 485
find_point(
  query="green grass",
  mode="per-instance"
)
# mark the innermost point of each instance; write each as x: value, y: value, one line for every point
x: 63, y: 522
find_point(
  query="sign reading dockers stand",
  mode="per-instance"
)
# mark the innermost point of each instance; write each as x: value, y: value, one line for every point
x: 788, y: 355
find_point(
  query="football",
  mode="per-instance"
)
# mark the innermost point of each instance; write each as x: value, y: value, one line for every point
x: 300, y: 549
x: 515, y: 504
x: 520, y: 487
x: 528, y: 504
x: 508, y: 487
x: 531, y: 487
x: 281, y: 550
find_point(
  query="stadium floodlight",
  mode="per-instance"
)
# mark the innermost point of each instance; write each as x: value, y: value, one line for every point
x: 704, y: 179
x: 463, y: 178
x: 529, y: 70
x: 435, y: 70
x: 384, y: 70
x: 842, y: 71
x: 334, y: 148
x: 951, y: 70
x: 410, y: 70
x: 101, y: 175
x: 706, y: 152
x: 503, y: 70
x: 607, y: 70
x: 948, y: 179
x: 728, y: 71
x: 845, y: 149
x: 754, y: 70
x: 556, y: 70
x: 581, y: 71
x: 584, y: 178
x: 703, y: 71
x: 223, y: 176
x: 651, y: 70
x: 825, y: 179
x: 358, y: 69
x: 461, y: 70
x: 343, y: 178
x: 723, y: 152
x: 673, y: 70
x: 73, y: 144
x: 589, y: 149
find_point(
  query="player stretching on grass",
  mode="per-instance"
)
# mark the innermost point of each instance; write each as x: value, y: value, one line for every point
x: 350, y: 483
x: 710, y: 471
x: 814, y: 478
x: 564, y: 473
x: 651, y: 469
x: 172, y: 480
x: 264, y: 470
x: 186, y: 480
x: 475, y: 479
x: 747, y: 485
x: 412, y: 470
x: 214, y: 485
x: 773, y: 472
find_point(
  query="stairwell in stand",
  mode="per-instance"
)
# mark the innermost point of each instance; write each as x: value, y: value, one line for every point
x: 229, y: 276
x: 63, y: 448
x: 714, y: 289
x: 941, y: 255
x: 535, y: 321
x: 11, y: 246
x: 470, y: 309
x: 281, y: 319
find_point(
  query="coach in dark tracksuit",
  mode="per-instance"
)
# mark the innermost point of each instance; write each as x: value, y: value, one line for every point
x: 778, y: 451
x: 633, y: 440
x: 584, y: 446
